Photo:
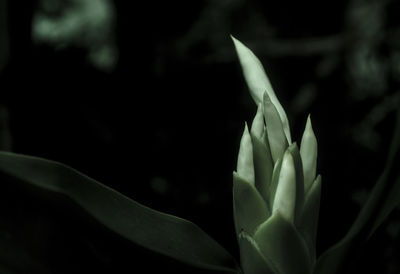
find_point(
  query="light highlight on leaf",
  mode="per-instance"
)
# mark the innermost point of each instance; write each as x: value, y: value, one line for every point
x: 308, y: 221
x: 159, y: 232
x: 245, y: 167
x: 276, y: 136
x: 285, y: 196
x: 257, y: 127
x: 250, y: 210
x: 279, y: 241
x: 263, y: 167
x: 251, y: 259
x: 308, y: 152
x: 258, y: 82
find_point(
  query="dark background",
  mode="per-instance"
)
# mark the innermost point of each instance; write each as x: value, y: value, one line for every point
x: 162, y: 125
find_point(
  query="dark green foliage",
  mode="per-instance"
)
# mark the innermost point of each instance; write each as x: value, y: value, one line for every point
x: 384, y: 197
x: 159, y: 232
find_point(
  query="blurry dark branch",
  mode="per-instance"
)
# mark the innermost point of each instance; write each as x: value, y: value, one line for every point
x: 277, y: 48
x: 299, y: 47
x: 4, y: 47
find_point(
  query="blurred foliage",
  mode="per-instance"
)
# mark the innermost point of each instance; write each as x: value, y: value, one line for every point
x: 87, y: 24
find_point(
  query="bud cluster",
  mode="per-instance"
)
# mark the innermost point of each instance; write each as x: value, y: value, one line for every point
x: 275, y: 189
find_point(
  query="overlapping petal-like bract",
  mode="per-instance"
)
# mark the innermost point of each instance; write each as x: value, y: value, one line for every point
x: 275, y: 189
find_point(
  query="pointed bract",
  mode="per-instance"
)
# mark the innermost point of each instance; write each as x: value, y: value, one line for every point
x: 251, y: 259
x: 249, y: 208
x: 274, y: 181
x: 263, y: 167
x: 276, y: 200
x: 245, y: 167
x: 279, y: 241
x: 308, y: 221
x: 308, y: 152
x: 294, y: 150
x: 258, y: 82
x: 285, y: 196
x: 276, y: 136
x: 257, y: 127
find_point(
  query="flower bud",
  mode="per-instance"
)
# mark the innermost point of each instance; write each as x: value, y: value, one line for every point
x: 275, y: 192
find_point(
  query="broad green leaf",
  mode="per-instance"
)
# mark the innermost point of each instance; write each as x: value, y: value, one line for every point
x: 276, y: 136
x: 279, y: 242
x: 384, y: 197
x: 251, y: 259
x: 308, y: 220
x: 258, y: 82
x: 249, y: 208
x: 159, y: 232
x: 245, y: 166
x: 308, y: 152
x: 263, y: 167
x: 294, y: 150
x: 285, y: 196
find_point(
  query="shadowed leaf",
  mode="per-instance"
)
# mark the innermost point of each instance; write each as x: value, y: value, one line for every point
x: 251, y: 259
x: 258, y: 81
x: 280, y: 242
x: 159, y: 232
x: 263, y: 167
x: 250, y: 209
x: 384, y: 197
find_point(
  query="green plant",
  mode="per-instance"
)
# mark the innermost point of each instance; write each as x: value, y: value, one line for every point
x: 276, y: 192
x: 276, y: 198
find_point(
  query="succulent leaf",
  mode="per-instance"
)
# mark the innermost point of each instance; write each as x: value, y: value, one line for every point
x: 276, y: 135
x: 257, y: 127
x: 283, y: 176
x: 245, y: 167
x: 258, y: 82
x: 308, y: 152
x: 274, y: 181
x: 263, y: 167
x: 285, y: 196
x: 249, y: 208
x: 308, y: 221
x: 294, y: 150
x: 251, y: 259
x: 279, y: 241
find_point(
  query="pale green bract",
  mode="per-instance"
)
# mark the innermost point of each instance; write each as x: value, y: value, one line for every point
x: 276, y: 192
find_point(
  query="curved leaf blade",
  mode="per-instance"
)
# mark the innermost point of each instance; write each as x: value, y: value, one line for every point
x: 249, y: 208
x: 165, y: 234
x: 285, y: 196
x: 308, y: 152
x: 257, y: 127
x: 294, y: 150
x: 275, y: 131
x: 274, y: 181
x: 308, y: 221
x: 384, y: 197
x: 263, y: 167
x: 252, y: 261
x: 279, y: 241
x: 245, y: 165
x: 258, y: 82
